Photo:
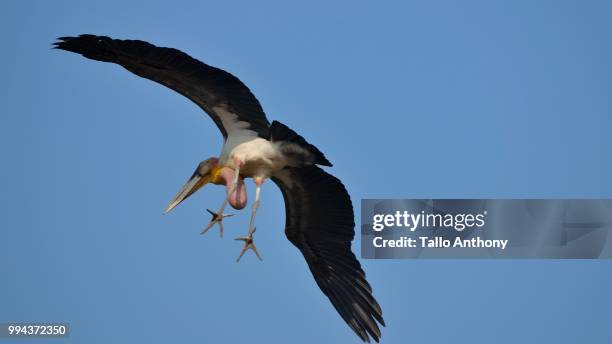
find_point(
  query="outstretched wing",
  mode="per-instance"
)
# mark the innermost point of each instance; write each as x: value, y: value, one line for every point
x: 320, y: 223
x: 224, y: 97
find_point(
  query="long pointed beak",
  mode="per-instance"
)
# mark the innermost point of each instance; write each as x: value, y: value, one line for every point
x: 194, y: 183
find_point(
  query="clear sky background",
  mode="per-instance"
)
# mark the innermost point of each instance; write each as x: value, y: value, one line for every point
x: 499, y: 99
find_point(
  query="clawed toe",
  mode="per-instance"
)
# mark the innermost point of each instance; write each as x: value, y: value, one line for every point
x: 248, y: 244
x: 216, y: 218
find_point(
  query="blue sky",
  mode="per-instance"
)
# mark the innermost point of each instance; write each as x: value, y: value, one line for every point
x: 412, y: 99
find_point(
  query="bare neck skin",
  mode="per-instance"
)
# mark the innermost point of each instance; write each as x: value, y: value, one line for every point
x: 238, y: 198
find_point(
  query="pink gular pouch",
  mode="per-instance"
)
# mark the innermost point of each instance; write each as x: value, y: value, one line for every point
x: 238, y: 198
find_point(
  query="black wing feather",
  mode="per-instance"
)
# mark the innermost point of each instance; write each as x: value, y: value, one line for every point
x: 320, y: 223
x: 216, y: 91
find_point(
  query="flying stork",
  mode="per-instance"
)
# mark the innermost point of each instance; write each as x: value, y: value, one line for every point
x: 319, y: 214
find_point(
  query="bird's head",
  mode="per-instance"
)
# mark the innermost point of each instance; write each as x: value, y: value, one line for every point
x: 208, y: 171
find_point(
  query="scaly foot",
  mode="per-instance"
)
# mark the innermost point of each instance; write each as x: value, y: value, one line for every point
x: 216, y: 218
x: 248, y: 244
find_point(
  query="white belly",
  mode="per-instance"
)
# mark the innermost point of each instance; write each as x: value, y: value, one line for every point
x: 260, y: 157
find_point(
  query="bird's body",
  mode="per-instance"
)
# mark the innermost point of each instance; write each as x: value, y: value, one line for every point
x: 318, y: 210
x: 260, y: 157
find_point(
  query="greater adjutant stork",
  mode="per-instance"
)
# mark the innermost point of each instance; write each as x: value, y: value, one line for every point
x: 319, y: 214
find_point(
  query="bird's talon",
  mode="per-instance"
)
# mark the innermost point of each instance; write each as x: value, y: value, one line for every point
x: 248, y: 244
x: 216, y: 218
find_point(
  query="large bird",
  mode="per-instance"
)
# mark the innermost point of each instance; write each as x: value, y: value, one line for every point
x: 319, y: 214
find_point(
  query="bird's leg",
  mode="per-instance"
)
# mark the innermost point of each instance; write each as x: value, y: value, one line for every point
x: 219, y: 216
x: 258, y: 182
x: 248, y: 239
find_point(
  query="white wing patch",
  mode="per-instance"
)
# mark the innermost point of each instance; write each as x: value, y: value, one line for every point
x: 230, y: 121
